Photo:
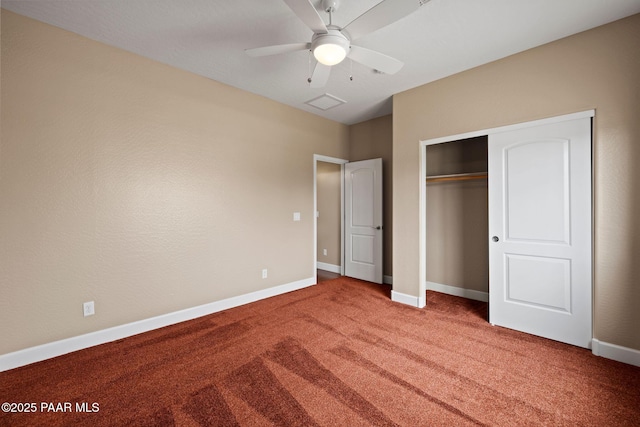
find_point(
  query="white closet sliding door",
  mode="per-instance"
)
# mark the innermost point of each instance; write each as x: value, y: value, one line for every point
x: 540, y: 261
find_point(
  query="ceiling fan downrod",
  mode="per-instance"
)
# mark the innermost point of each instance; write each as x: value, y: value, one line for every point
x: 330, y: 6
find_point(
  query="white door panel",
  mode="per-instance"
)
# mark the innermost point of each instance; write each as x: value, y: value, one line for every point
x: 540, y: 223
x: 362, y: 196
x: 539, y: 282
x: 537, y: 176
x: 362, y: 249
x: 363, y: 212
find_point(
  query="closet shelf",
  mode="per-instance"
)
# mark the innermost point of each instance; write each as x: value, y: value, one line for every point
x: 457, y: 177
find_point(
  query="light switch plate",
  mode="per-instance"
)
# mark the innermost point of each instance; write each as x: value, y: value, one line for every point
x: 296, y: 216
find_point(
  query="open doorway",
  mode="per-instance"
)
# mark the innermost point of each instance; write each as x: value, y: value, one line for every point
x: 329, y: 213
x: 329, y: 200
x: 359, y: 217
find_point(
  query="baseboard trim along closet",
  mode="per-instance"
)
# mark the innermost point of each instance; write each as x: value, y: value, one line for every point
x: 615, y: 352
x: 328, y: 267
x: 413, y: 301
x: 68, y: 345
x: 458, y: 292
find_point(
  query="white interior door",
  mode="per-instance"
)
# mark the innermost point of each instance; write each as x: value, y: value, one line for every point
x: 540, y: 278
x: 363, y: 220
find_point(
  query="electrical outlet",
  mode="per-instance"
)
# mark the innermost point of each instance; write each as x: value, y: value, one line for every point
x: 296, y: 216
x: 88, y: 309
x: 264, y: 273
x: 324, y: 252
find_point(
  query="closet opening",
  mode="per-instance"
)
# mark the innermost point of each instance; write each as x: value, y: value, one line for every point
x: 520, y: 237
x: 457, y: 227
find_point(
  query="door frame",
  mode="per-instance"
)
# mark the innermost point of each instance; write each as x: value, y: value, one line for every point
x: 326, y: 159
x: 422, y: 199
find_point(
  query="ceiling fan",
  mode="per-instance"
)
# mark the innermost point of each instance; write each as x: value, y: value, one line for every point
x: 331, y: 44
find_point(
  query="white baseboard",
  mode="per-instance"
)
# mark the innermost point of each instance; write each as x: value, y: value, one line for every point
x: 58, y: 348
x: 328, y: 267
x: 615, y: 352
x: 413, y: 301
x: 459, y: 292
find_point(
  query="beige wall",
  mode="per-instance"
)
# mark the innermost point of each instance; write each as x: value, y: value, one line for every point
x: 597, y: 69
x: 373, y: 139
x: 328, y: 196
x: 141, y: 187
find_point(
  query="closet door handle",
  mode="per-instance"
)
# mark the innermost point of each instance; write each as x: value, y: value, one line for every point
x: 495, y: 238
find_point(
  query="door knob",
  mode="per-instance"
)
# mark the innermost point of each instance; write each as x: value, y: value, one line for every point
x: 495, y: 238
x: 378, y: 227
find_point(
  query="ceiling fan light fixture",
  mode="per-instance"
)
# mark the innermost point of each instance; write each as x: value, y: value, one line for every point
x: 329, y: 54
x: 330, y: 49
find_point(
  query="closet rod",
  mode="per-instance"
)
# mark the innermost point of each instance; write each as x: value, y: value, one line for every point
x: 457, y: 177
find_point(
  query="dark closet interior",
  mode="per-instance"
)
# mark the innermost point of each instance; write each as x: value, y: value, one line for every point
x: 457, y: 217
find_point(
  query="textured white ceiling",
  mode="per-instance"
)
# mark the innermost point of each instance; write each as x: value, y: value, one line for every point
x: 208, y: 37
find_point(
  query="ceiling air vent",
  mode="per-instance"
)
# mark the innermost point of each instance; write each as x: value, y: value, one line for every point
x: 325, y: 102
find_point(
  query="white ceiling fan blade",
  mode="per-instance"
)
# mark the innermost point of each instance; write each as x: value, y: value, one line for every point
x: 381, y: 15
x: 308, y: 14
x: 376, y: 60
x: 277, y: 49
x: 320, y: 75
